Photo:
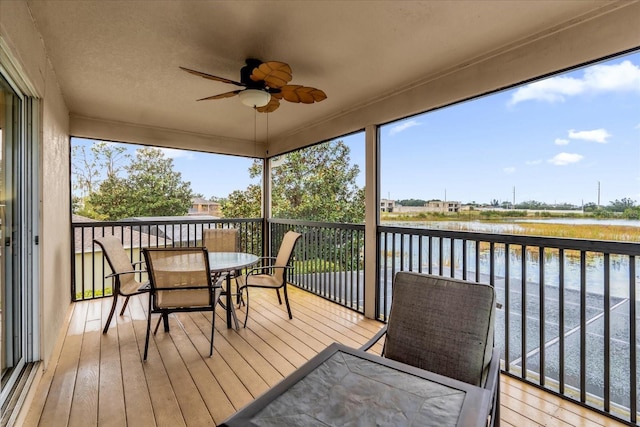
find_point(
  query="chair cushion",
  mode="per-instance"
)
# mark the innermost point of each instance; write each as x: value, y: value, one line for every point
x: 183, y: 298
x: 261, y: 280
x: 442, y: 325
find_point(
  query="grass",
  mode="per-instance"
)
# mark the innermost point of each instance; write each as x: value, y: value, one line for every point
x: 617, y: 233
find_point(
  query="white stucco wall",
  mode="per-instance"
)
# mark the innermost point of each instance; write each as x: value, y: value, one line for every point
x: 25, y: 47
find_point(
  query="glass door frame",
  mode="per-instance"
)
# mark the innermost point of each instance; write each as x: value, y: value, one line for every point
x: 25, y: 170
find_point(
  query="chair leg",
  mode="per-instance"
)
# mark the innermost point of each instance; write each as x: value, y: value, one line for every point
x: 113, y: 309
x: 126, y: 300
x: 213, y: 328
x: 246, y: 314
x: 146, y: 341
x: 286, y: 300
x: 279, y: 299
x: 155, y: 330
x: 233, y: 312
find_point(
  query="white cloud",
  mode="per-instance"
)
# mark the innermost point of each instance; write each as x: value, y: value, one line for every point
x: 596, y: 135
x: 533, y: 162
x: 173, y: 153
x: 624, y: 76
x: 403, y: 126
x: 564, y: 159
x: 560, y: 141
x: 509, y: 170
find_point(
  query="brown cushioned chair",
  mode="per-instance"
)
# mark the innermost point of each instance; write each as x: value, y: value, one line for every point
x: 445, y: 326
x: 222, y: 240
x: 272, y: 276
x: 180, y: 281
x: 123, y: 273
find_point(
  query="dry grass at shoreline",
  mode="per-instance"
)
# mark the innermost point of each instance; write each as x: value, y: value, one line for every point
x: 617, y: 233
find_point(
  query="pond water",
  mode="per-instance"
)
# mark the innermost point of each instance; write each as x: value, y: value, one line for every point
x: 511, y: 263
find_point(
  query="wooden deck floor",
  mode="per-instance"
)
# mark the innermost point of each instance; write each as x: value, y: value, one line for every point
x: 100, y: 380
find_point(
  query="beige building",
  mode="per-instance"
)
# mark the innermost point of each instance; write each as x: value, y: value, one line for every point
x: 201, y: 206
x: 442, y: 206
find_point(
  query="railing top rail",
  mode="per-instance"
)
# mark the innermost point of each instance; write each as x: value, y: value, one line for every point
x: 337, y: 225
x: 162, y: 222
x: 603, y: 246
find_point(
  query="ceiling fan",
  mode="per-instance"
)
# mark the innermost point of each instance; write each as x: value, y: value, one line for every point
x: 265, y: 84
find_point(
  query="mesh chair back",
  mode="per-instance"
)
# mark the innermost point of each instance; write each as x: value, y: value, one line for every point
x: 221, y: 239
x: 442, y: 325
x: 284, y: 254
x: 118, y: 261
x: 179, y: 277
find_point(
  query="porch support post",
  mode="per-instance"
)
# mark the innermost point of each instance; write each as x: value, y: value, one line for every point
x: 266, y: 206
x: 371, y: 219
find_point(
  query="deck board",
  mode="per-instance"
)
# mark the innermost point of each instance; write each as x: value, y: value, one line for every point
x: 101, y: 379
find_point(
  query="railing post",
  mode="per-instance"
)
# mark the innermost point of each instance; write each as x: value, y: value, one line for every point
x: 372, y: 219
x: 266, y: 207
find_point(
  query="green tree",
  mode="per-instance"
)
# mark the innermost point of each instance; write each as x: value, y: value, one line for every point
x: 621, y: 205
x: 90, y: 168
x: 411, y: 202
x: 316, y: 183
x: 243, y: 203
x: 151, y: 188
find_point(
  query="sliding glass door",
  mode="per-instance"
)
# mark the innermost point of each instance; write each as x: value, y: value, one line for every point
x: 16, y: 297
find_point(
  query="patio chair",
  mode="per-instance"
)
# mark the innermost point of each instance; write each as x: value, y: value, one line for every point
x: 222, y: 240
x: 445, y: 326
x: 123, y: 273
x: 273, y: 275
x: 180, y: 281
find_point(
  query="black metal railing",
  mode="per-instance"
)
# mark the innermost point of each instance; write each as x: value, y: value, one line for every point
x: 567, y: 321
x: 89, y: 267
x: 328, y: 260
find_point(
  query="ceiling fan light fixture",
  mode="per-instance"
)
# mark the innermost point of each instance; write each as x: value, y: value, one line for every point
x: 254, y: 97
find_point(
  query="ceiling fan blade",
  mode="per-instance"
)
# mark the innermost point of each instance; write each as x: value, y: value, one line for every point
x: 275, y: 74
x: 211, y: 77
x: 302, y: 94
x: 272, y: 106
x: 222, y: 95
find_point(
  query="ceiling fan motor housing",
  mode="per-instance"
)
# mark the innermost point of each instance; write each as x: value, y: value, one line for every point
x: 245, y: 74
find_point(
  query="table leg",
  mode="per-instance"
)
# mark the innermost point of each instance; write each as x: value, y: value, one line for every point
x: 229, y: 302
x: 231, y: 311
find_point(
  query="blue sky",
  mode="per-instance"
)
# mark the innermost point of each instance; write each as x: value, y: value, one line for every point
x: 553, y: 141
x: 556, y: 141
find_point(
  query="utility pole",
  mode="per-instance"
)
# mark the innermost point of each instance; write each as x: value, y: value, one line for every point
x: 514, y: 197
x: 598, y: 193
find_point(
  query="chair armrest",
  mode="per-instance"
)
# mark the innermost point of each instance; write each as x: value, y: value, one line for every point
x: 493, y: 375
x: 254, y: 270
x: 185, y: 288
x: 374, y: 339
x: 124, y: 272
x: 493, y: 385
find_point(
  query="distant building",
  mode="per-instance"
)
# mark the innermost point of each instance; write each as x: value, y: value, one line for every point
x: 442, y: 206
x: 200, y: 206
x: 387, y: 205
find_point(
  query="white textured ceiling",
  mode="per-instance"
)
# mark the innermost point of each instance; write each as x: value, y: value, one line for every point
x: 118, y: 60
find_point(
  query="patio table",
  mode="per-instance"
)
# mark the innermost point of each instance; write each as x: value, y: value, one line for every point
x: 345, y: 386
